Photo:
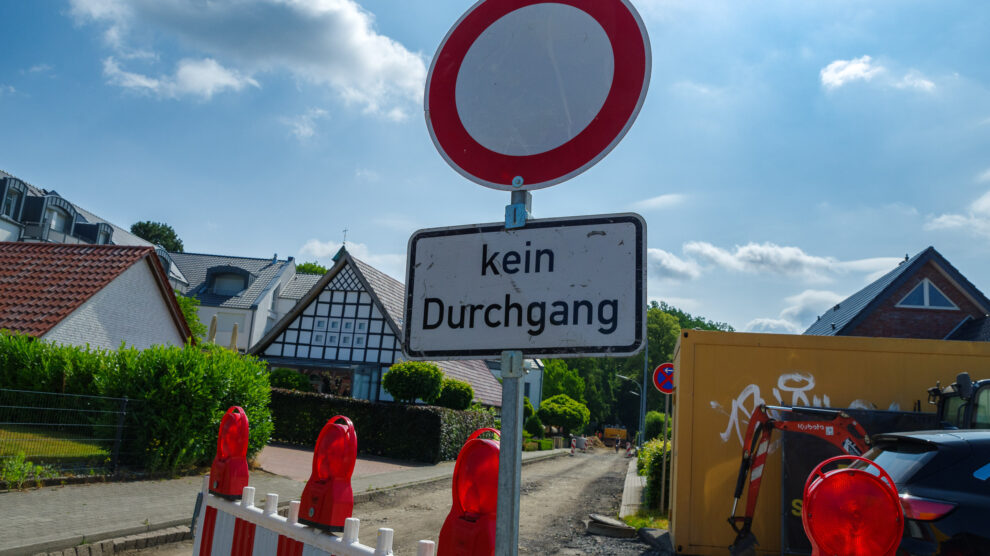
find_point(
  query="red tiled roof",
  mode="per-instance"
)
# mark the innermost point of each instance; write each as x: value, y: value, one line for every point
x: 42, y: 283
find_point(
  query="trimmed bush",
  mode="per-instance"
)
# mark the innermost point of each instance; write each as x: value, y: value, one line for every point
x: 562, y: 411
x: 455, y: 394
x: 290, y: 379
x: 528, y: 410
x: 402, y: 431
x: 534, y: 427
x: 184, y: 391
x: 413, y: 380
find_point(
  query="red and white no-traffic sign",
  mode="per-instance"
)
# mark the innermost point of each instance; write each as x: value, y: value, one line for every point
x: 525, y: 94
x: 663, y: 378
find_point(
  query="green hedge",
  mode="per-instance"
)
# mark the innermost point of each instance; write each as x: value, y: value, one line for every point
x: 184, y: 392
x: 650, y: 462
x: 413, y: 432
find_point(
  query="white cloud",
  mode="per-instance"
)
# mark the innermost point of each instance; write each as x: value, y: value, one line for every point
x: 659, y: 202
x: 805, y: 306
x: 779, y: 259
x: 367, y: 174
x: 772, y: 326
x: 7, y: 89
x: 40, y: 68
x: 667, y: 265
x: 914, y: 80
x: 392, y: 264
x: 840, y: 72
x: 984, y: 177
x: 201, y: 78
x: 303, y: 126
x: 327, y: 43
x: 977, y: 218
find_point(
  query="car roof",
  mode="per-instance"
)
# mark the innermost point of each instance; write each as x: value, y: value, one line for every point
x: 939, y: 436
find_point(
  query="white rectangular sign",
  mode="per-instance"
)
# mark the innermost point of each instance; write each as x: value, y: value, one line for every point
x: 558, y: 287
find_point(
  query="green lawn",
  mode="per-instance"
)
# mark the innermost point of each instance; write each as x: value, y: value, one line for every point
x: 45, y: 444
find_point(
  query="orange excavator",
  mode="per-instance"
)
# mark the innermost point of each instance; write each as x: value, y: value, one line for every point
x: 833, y: 426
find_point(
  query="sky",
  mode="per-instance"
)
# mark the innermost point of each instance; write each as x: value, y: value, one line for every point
x: 787, y: 153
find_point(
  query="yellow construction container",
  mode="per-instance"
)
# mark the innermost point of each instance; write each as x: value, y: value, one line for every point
x: 721, y: 376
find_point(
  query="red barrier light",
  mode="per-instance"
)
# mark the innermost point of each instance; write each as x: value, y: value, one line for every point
x: 229, y: 472
x: 328, y: 500
x: 470, y: 526
x: 851, y: 511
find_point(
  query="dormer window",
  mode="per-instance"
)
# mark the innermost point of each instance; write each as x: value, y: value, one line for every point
x: 927, y: 296
x: 58, y: 219
x: 228, y: 284
x: 12, y: 203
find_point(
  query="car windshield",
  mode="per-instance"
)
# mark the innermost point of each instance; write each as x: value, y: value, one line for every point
x: 901, y: 460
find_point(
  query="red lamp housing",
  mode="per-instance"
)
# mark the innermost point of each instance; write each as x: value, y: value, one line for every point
x: 470, y: 526
x: 327, y: 500
x: 229, y: 472
x: 852, y: 511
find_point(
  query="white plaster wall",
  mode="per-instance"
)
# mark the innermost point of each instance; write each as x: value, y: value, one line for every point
x: 8, y: 230
x: 225, y: 319
x: 129, y: 309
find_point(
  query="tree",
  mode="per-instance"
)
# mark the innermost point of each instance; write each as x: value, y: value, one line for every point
x: 290, y: 379
x: 657, y: 424
x: 527, y: 408
x: 559, y: 379
x: 412, y: 380
x: 158, y: 233
x: 188, y: 306
x: 534, y: 427
x: 311, y: 268
x: 563, y: 412
x: 455, y: 394
x: 687, y: 320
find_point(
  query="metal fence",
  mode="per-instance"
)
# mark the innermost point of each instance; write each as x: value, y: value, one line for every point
x: 45, y: 435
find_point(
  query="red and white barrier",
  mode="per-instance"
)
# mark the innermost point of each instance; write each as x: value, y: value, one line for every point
x: 573, y: 445
x: 225, y: 527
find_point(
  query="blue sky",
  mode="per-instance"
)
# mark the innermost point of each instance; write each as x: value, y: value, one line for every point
x: 787, y: 152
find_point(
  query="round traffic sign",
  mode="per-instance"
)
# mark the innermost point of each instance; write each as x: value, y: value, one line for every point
x: 663, y: 378
x: 525, y: 94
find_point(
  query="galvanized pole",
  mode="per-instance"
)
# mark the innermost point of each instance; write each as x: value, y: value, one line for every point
x: 510, y: 445
x: 642, y: 397
x: 663, y: 460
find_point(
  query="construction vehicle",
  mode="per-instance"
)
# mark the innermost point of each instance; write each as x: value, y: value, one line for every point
x: 833, y: 426
x: 963, y: 405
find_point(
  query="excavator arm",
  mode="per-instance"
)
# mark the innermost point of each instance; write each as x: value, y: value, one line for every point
x: 833, y: 426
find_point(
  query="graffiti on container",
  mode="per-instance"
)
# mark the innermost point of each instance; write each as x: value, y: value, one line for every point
x: 793, y: 389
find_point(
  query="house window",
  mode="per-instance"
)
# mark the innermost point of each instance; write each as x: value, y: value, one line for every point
x: 331, y: 339
x: 11, y: 202
x: 927, y: 296
x: 321, y: 324
x: 58, y: 220
x: 359, y: 341
x: 318, y: 338
x: 348, y: 325
x: 361, y: 326
x: 526, y: 389
x: 228, y: 284
x: 345, y: 340
x: 104, y: 238
x: 334, y: 325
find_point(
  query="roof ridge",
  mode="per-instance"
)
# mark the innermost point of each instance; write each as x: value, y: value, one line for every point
x: 227, y: 256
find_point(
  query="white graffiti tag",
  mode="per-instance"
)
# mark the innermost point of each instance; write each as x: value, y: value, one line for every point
x: 797, y: 384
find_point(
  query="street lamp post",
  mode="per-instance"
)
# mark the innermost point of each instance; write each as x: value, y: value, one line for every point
x: 642, y: 433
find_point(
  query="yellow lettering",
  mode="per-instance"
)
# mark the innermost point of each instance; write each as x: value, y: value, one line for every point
x: 796, y: 505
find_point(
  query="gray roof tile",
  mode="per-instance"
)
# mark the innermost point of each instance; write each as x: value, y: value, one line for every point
x: 194, y: 267
x: 299, y: 285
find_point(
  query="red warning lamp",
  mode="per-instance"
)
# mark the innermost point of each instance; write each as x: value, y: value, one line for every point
x: 470, y: 526
x: 327, y: 500
x: 229, y: 472
x: 852, y: 511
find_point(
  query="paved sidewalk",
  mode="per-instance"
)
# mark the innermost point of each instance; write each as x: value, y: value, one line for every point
x: 54, y: 518
x: 632, y: 491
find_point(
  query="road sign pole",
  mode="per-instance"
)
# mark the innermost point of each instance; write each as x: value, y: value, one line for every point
x: 663, y: 460
x: 642, y: 397
x: 510, y: 456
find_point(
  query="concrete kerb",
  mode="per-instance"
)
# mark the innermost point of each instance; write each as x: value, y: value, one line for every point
x: 168, y: 531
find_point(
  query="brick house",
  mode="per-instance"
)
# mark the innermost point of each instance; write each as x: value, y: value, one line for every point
x: 96, y: 295
x: 923, y: 297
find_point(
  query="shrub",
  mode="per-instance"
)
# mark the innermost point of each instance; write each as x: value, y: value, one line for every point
x: 184, y: 392
x: 412, y: 380
x: 650, y: 462
x: 290, y: 379
x: 534, y: 426
x: 455, y: 394
x: 401, y: 431
x: 562, y: 411
x: 527, y: 408
x: 656, y: 425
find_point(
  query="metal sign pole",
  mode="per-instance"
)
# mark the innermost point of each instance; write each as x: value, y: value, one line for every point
x: 510, y: 445
x: 663, y: 461
x: 643, y: 391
